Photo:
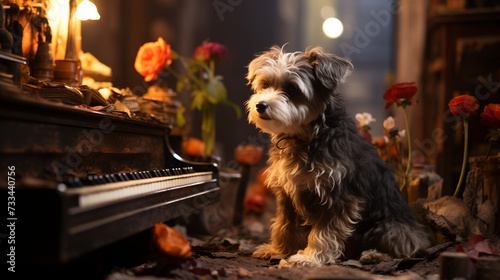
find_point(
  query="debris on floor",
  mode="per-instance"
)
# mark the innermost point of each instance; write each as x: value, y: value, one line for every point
x: 227, y: 254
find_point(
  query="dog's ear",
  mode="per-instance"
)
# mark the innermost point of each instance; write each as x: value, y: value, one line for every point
x: 329, y: 69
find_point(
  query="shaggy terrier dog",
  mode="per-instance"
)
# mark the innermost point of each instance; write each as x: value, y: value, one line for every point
x: 332, y: 188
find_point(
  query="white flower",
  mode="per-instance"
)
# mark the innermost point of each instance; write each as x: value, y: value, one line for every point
x: 389, y: 123
x: 364, y: 119
x: 402, y: 133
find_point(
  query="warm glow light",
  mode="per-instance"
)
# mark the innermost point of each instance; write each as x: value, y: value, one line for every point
x: 332, y: 27
x: 87, y: 10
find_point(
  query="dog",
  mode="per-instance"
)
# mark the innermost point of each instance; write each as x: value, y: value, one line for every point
x: 332, y: 188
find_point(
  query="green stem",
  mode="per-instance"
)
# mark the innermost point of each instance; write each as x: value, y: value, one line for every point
x: 464, y: 162
x: 400, y: 157
x: 405, y: 178
x: 171, y: 71
x: 212, y: 69
x: 488, y: 153
x: 208, y: 127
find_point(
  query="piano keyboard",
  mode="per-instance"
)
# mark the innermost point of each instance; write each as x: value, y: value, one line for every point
x: 95, y: 190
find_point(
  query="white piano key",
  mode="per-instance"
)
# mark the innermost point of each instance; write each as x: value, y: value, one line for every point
x: 92, y: 195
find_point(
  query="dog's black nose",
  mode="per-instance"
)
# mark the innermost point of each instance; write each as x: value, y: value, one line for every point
x: 261, y: 107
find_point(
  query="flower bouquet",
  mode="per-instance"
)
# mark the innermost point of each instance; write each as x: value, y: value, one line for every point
x: 198, y: 77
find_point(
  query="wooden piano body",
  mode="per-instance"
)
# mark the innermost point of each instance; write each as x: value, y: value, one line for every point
x: 58, y: 150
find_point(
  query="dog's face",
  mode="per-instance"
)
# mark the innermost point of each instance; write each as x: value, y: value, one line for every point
x: 292, y: 89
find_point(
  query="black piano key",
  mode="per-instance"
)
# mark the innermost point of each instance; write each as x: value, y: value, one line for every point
x: 157, y: 173
x: 148, y: 173
x: 114, y: 178
x: 139, y: 175
x: 98, y: 179
x: 101, y: 179
x: 95, y: 179
x: 126, y: 177
x: 90, y: 180
x: 132, y: 176
x: 108, y: 179
x: 78, y: 182
x: 123, y: 177
x: 74, y: 183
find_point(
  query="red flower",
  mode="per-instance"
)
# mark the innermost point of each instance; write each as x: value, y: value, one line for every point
x: 367, y: 135
x: 400, y: 93
x: 491, y: 115
x: 210, y: 51
x: 249, y: 154
x: 151, y: 58
x: 463, y: 105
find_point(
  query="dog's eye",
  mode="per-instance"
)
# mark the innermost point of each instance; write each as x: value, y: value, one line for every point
x: 265, y: 85
x: 291, y: 90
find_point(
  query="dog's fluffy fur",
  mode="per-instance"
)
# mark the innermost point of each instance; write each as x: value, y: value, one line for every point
x: 332, y: 188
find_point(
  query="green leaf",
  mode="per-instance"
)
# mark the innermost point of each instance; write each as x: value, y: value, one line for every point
x: 217, y: 90
x: 197, y: 99
x: 179, y: 116
x: 181, y: 84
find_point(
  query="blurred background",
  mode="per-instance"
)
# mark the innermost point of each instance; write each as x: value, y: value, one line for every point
x: 247, y: 28
x: 447, y: 47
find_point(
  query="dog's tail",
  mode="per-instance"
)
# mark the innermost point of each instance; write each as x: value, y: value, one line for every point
x: 400, y: 239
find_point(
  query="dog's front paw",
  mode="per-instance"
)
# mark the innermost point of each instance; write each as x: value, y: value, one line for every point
x: 299, y: 259
x: 265, y: 251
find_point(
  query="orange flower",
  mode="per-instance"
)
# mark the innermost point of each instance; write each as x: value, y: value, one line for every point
x: 151, y: 58
x: 210, y: 51
x: 255, y: 202
x: 400, y: 93
x: 491, y: 115
x: 193, y: 147
x: 169, y: 242
x: 463, y: 105
x: 379, y: 142
x: 249, y: 154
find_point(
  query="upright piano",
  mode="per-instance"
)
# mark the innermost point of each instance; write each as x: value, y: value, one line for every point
x: 86, y: 179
